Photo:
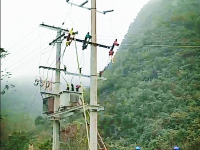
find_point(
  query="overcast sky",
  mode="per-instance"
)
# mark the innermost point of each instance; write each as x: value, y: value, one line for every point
x: 20, y: 18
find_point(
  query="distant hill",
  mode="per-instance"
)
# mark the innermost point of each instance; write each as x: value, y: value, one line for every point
x: 152, y: 92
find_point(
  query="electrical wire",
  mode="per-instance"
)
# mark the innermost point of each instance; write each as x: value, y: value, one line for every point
x: 64, y: 78
x: 81, y: 67
x: 70, y: 13
x: 65, y: 19
x: 33, y: 99
x: 40, y: 55
x: 23, y: 38
x: 88, y: 15
x: 52, y: 61
x: 23, y: 64
x: 52, y: 82
x: 24, y: 47
x: 26, y: 56
x: 28, y: 61
x: 110, y: 21
x: 63, y: 54
x: 197, y: 46
x: 47, y: 62
x: 50, y: 55
x: 83, y: 59
x: 82, y: 97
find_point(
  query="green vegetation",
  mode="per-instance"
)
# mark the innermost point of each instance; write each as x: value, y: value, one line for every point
x: 152, y: 93
x: 3, y: 54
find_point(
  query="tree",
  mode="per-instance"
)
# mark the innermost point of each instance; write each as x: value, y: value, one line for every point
x: 39, y: 121
x: 3, y: 54
x: 18, y: 140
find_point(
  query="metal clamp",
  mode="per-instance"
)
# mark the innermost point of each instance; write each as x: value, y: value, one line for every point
x: 95, y: 108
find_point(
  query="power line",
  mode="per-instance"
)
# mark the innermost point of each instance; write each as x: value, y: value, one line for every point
x: 65, y: 18
x: 24, y: 47
x: 63, y: 77
x: 26, y: 56
x: 111, y: 19
x: 33, y: 100
x: 70, y: 14
x: 50, y: 55
x: 161, y: 45
x: 28, y: 61
x: 23, y: 38
x: 41, y: 53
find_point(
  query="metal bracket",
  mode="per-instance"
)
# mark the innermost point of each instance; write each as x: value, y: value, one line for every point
x: 60, y: 115
x: 55, y: 119
x: 95, y: 108
x: 49, y: 93
x: 82, y: 6
x: 57, y: 39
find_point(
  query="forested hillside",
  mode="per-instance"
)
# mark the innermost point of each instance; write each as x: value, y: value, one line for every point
x: 151, y: 96
x: 152, y: 92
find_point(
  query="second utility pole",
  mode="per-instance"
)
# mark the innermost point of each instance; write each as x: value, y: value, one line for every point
x: 93, y: 79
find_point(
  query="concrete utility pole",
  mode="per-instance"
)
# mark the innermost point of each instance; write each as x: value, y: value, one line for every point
x: 93, y: 79
x: 56, y: 123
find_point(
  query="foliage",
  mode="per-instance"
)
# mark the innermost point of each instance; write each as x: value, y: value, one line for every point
x: 17, y: 140
x: 151, y: 95
x: 46, y: 145
x: 39, y: 121
x: 74, y: 137
x: 3, y: 54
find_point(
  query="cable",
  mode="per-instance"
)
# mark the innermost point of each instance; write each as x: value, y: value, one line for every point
x: 161, y: 45
x: 64, y: 78
x: 65, y: 19
x: 23, y: 64
x: 40, y: 49
x: 23, y: 38
x: 40, y: 54
x: 110, y: 21
x: 24, y: 47
x: 26, y: 56
x: 81, y: 67
x: 83, y: 59
x: 88, y: 15
x: 82, y: 96
x: 70, y: 14
x: 52, y: 62
x: 50, y: 55
x: 33, y: 100
x: 51, y: 82
x: 63, y: 54
x: 28, y: 61
x: 73, y: 76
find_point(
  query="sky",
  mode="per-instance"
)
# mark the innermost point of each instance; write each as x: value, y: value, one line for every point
x: 28, y: 43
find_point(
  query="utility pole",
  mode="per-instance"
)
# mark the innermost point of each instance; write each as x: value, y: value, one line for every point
x: 93, y: 79
x: 93, y: 73
x: 56, y: 120
x: 56, y: 123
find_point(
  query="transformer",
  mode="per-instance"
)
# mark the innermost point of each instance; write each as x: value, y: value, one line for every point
x: 48, y: 105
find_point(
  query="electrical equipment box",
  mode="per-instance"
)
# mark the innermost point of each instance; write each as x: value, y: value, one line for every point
x: 64, y: 99
x: 70, y: 99
x: 48, y: 105
x: 75, y: 98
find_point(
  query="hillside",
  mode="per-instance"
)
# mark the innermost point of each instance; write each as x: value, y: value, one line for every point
x: 152, y: 93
